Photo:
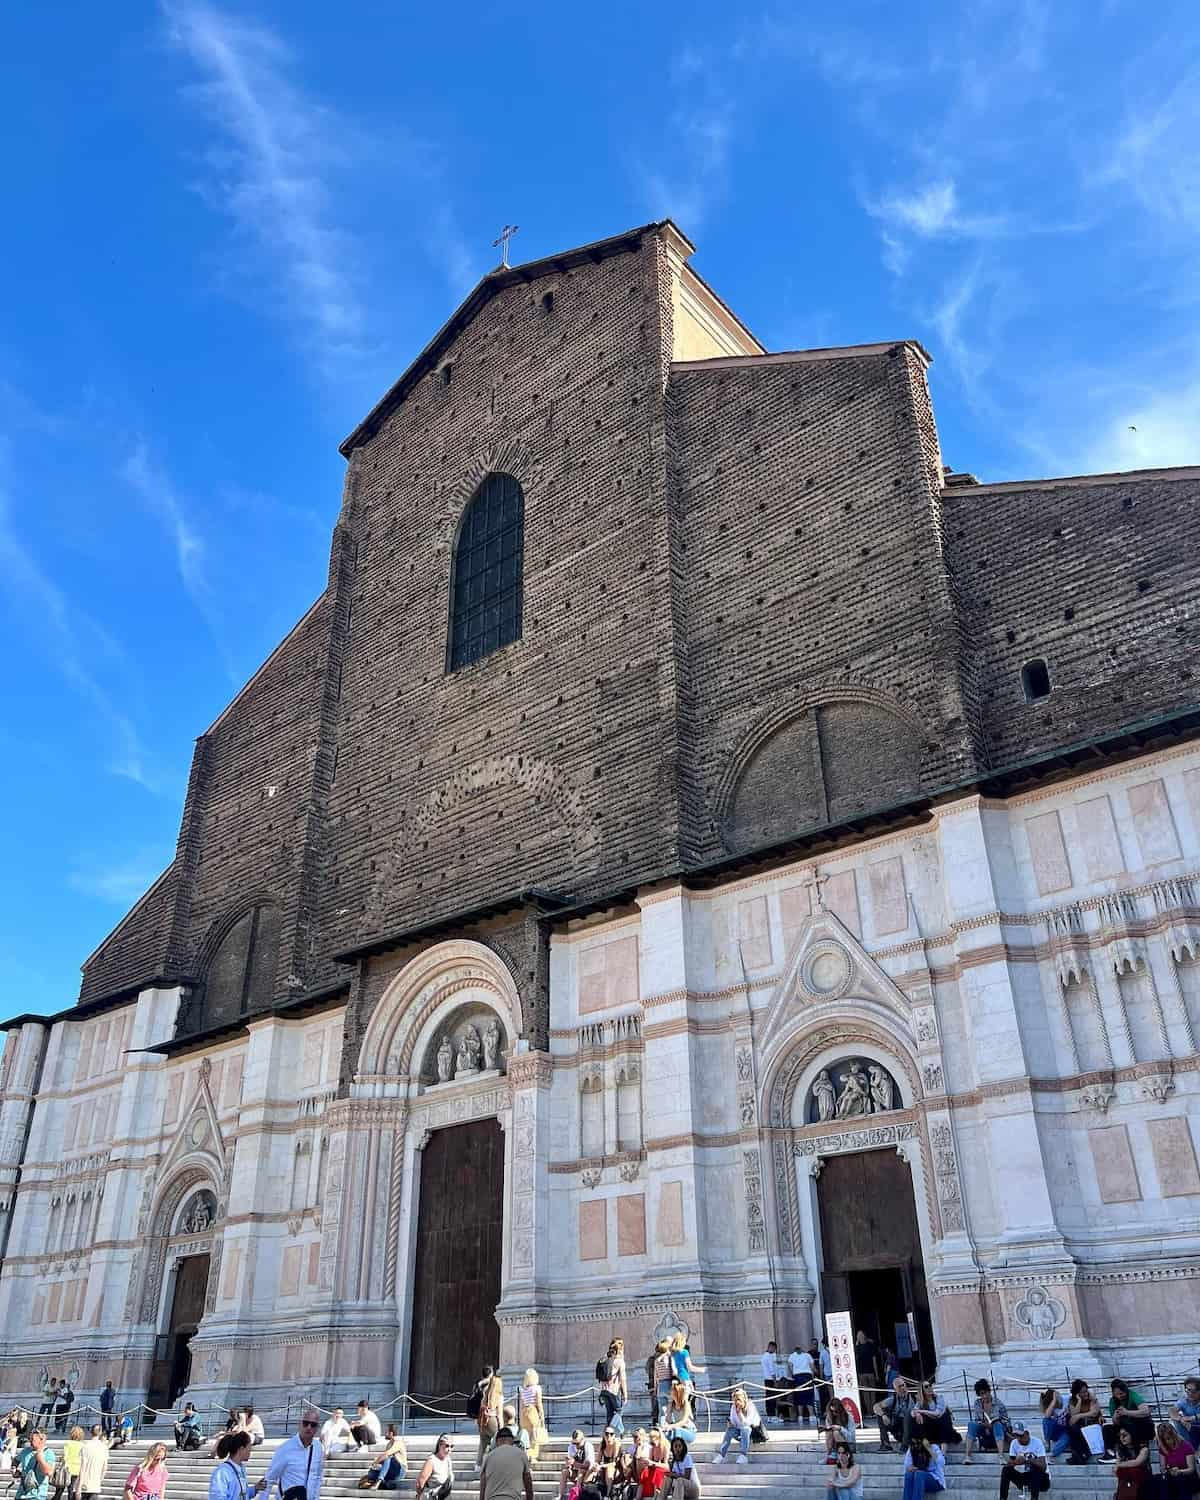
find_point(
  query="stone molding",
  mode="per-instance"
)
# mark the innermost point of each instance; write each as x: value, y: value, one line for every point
x: 531, y: 1070
x: 613, y: 1313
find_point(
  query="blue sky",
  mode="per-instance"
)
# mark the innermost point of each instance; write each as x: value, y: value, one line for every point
x: 230, y: 227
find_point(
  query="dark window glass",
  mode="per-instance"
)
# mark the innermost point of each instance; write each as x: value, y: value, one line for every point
x: 1035, y: 679
x: 485, y: 590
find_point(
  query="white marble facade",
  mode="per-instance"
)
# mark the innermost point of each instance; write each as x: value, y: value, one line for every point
x: 1025, y: 974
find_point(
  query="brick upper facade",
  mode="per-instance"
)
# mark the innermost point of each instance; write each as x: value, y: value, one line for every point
x: 751, y: 611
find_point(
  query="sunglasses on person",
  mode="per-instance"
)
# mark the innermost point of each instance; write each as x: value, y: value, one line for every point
x: 308, y: 1423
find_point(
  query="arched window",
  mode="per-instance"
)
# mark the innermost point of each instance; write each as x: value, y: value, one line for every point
x: 1035, y: 680
x: 485, y: 589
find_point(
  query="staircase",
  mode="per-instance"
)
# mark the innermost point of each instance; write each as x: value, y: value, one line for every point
x: 790, y: 1464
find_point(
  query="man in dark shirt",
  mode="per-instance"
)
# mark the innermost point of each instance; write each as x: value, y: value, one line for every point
x: 866, y: 1358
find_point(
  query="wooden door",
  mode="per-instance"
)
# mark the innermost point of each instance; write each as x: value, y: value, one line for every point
x: 456, y: 1286
x: 868, y: 1214
x: 172, y: 1366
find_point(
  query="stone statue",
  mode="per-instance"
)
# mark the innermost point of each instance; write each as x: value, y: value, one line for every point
x: 491, y: 1045
x: 199, y: 1218
x: 468, y: 1053
x: 882, y: 1092
x: 445, y: 1061
x: 825, y: 1095
x: 854, y: 1098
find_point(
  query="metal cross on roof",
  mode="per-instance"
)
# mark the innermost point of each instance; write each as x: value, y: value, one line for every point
x: 506, y: 234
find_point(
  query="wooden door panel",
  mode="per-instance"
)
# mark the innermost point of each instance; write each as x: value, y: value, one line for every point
x: 459, y: 1249
x: 868, y: 1215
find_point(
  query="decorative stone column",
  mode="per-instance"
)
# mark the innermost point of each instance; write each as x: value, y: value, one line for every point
x: 529, y: 1075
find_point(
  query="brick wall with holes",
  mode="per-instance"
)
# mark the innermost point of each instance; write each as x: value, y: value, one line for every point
x: 549, y: 762
x: 809, y: 524
x: 1096, y: 578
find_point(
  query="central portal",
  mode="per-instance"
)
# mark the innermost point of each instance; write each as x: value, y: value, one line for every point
x: 460, y: 1246
x: 872, y: 1266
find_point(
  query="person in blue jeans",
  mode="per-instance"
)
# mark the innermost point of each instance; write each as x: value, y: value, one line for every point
x: 391, y: 1466
x: 1054, y: 1422
x: 989, y: 1426
x: 924, y: 1469
x: 743, y: 1419
x: 1186, y: 1414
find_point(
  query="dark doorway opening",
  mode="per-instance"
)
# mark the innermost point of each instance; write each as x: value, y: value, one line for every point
x: 872, y: 1265
x: 456, y: 1287
x: 172, y: 1368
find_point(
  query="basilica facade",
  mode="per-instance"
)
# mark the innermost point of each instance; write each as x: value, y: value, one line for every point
x: 699, y: 863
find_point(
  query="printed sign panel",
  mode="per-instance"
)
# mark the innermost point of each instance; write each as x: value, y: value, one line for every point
x: 840, y: 1335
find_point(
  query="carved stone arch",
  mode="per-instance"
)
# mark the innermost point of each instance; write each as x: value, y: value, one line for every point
x: 504, y: 456
x: 804, y: 782
x: 782, y: 1074
x: 185, y: 1181
x: 222, y: 924
x: 407, y: 1012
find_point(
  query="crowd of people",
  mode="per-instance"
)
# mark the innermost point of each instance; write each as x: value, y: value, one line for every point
x: 1154, y: 1457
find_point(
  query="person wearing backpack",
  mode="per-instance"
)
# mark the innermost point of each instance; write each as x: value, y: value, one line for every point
x: 614, y: 1392
x: 491, y: 1408
x: 35, y: 1466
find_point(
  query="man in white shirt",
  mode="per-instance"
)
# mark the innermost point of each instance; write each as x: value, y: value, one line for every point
x: 365, y: 1428
x: 800, y: 1365
x: 336, y: 1436
x: 580, y: 1465
x: 772, y: 1372
x: 93, y: 1464
x: 298, y: 1464
x: 1025, y: 1465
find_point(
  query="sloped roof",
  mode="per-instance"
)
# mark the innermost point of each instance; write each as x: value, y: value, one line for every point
x: 135, y: 950
x: 495, y: 281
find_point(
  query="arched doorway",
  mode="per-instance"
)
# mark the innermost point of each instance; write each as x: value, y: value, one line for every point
x: 872, y: 1265
x: 182, y: 1255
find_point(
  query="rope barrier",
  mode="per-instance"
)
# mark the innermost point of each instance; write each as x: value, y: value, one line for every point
x: 406, y: 1401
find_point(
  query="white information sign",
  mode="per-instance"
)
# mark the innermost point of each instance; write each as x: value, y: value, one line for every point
x: 840, y: 1333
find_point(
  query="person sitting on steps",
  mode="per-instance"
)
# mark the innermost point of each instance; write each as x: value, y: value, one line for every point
x: 1127, y: 1409
x: 933, y: 1419
x: 681, y: 1482
x: 895, y: 1413
x: 1025, y: 1465
x: 1132, y: 1458
x: 924, y: 1469
x: 580, y: 1466
x: 743, y: 1419
x: 390, y: 1467
x: 839, y: 1428
x: 989, y: 1427
x: 436, y: 1479
x: 846, y: 1481
x: 1178, y: 1479
x: 1083, y: 1411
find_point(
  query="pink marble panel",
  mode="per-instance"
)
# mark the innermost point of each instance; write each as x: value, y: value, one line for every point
x: 841, y: 897
x: 233, y: 1082
x: 631, y: 1224
x: 622, y: 970
x: 55, y: 1303
x: 754, y: 932
x: 289, y: 1271
x: 1115, y: 1170
x: 1051, y: 867
x: 593, y: 1229
x: 592, y: 974
x: 38, y: 1315
x: 1098, y: 835
x: 669, y: 1229
x: 1191, y: 790
x: 229, y: 1281
x: 889, y: 911
x: 1153, y: 823
x: 795, y: 904
x: 1174, y: 1156
x: 314, y: 1262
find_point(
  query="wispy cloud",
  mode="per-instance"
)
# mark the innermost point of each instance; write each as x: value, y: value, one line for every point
x: 161, y: 499
x: 72, y: 644
x: 697, y: 142
x: 270, y: 173
x: 122, y: 883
